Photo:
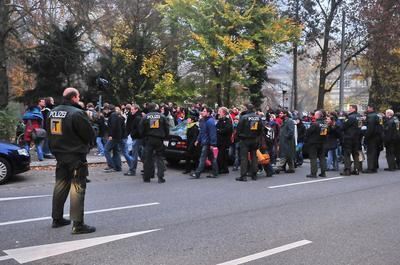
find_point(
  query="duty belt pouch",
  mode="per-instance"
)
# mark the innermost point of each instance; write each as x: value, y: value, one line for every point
x: 80, y: 169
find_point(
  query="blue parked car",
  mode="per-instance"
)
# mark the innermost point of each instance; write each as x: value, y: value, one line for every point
x: 13, y: 160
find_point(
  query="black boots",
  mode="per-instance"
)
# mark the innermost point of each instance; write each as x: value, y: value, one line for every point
x: 60, y: 222
x: 81, y: 228
x: 311, y: 176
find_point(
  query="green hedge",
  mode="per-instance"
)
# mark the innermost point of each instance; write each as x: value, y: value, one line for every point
x: 9, y: 119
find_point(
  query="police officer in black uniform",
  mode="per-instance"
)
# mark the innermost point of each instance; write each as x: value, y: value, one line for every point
x: 154, y: 128
x: 69, y: 140
x: 373, y: 139
x: 352, y: 141
x: 316, y: 137
x: 391, y: 133
x: 248, y: 130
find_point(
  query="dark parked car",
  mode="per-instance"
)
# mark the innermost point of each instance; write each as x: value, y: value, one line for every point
x: 176, y: 144
x: 13, y: 160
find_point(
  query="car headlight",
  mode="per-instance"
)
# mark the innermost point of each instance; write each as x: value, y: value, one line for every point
x: 23, y: 152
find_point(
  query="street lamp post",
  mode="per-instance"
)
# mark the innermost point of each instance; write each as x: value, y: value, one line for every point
x: 283, y: 97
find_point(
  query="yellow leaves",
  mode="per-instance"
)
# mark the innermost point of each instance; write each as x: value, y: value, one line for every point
x: 119, y: 43
x: 20, y: 79
x: 165, y: 88
x: 152, y: 64
x: 235, y: 45
x: 396, y: 52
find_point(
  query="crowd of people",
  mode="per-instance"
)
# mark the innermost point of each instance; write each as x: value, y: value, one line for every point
x: 221, y: 137
x: 249, y: 138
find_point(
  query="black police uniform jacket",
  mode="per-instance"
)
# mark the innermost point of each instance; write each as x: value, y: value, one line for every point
x: 154, y: 124
x: 374, y: 126
x: 352, y: 129
x: 317, y: 132
x: 249, y: 126
x: 69, y: 130
x: 391, y: 131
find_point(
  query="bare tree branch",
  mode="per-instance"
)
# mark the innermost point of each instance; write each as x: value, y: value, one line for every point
x: 319, y: 45
x: 348, y: 59
x: 322, y: 9
x: 336, y: 80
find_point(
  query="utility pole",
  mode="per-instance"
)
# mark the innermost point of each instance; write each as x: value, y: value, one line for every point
x: 295, y: 57
x: 341, y: 91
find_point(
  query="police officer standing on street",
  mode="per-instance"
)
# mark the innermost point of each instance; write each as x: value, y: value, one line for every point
x: 69, y: 140
x: 316, y: 137
x: 154, y: 128
x: 391, y: 132
x: 248, y: 130
x: 373, y: 139
x: 352, y: 141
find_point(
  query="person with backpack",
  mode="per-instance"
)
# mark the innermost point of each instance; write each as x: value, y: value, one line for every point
x: 34, y: 132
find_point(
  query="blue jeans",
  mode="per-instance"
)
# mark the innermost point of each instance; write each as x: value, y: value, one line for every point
x: 114, y: 161
x: 136, y: 146
x: 206, y: 152
x: 100, y: 145
x: 235, y: 153
x: 125, y: 153
x: 332, y: 163
x: 39, y: 148
x: 299, y: 153
x: 46, y: 149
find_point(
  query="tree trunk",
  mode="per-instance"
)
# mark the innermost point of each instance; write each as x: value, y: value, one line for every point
x: 4, y: 25
x: 324, y: 63
x: 227, y: 85
x: 219, y: 94
x: 217, y: 75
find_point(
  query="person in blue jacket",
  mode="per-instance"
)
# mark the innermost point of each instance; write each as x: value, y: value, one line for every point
x: 207, y: 139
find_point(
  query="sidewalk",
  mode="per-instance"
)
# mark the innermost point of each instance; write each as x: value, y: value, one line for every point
x: 91, y: 158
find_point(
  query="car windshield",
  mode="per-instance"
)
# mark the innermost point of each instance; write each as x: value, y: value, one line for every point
x: 180, y: 129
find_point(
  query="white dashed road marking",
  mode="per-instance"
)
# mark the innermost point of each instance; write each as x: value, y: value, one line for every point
x: 88, y: 212
x: 267, y: 253
x: 304, y: 182
x: 21, y: 198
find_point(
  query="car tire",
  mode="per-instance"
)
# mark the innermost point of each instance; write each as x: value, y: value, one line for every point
x: 5, y: 170
x: 173, y: 162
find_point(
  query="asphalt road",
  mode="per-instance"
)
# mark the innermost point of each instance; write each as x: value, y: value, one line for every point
x: 351, y: 220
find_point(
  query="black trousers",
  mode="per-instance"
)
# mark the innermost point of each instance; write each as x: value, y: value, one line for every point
x: 71, y: 173
x: 316, y: 151
x: 153, y: 154
x: 372, y: 153
x: 351, y: 149
x: 223, y: 158
x: 397, y: 153
x: 248, y: 146
x: 391, y: 156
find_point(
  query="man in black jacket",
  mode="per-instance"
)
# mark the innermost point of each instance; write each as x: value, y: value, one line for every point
x: 249, y: 130
x: 373, y: 138
x: 193, y: 151
x: 391, y: 132
x: 132, y: 129
x: 115, y: 135
x: 69, y: 140
x: 316, y: 137
x: 154, y: 128
x: 224, y: 135
x: 352, y: 141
